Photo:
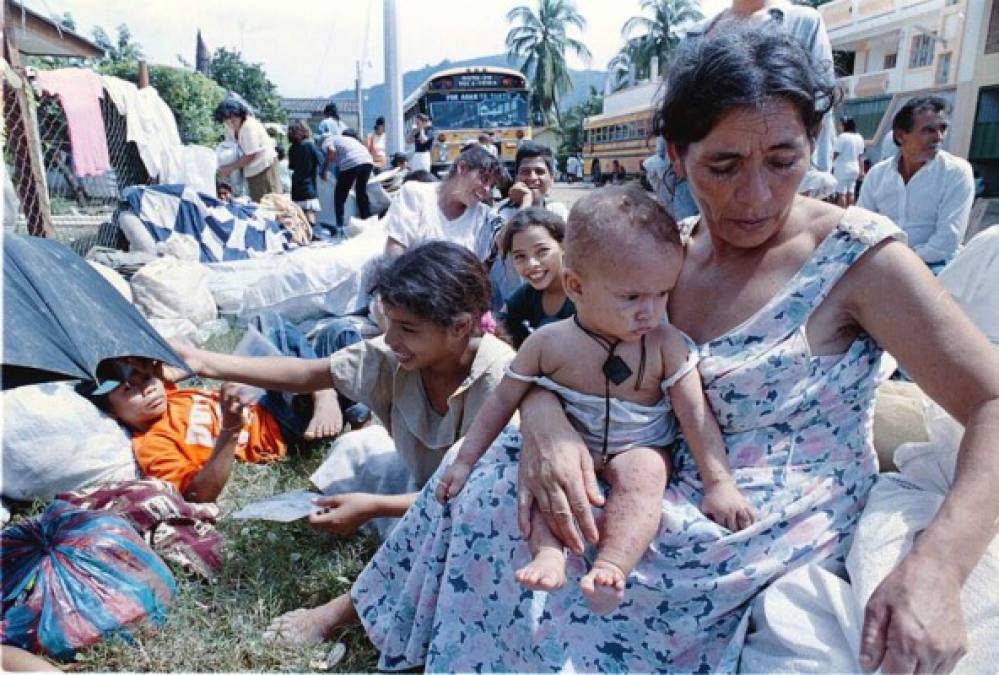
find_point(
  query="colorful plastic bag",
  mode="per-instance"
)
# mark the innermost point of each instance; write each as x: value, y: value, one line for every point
x: 73, y: 577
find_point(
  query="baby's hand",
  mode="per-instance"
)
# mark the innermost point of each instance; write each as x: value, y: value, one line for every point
x: 724, y: 504
x: 453, y: 480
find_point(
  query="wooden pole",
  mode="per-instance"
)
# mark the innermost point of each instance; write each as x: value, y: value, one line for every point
x: 143, y: 75
x: 26, y: 148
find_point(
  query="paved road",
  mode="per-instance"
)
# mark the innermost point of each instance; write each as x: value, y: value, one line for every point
x: 568, y: 193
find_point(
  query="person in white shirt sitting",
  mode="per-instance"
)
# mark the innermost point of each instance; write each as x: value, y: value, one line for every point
x: 927, y: 191
x: 847, y: 163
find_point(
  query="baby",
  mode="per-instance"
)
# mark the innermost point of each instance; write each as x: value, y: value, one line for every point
x: 620, y: 370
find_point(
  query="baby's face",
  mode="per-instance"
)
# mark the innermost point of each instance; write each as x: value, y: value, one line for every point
x: 624, y: 297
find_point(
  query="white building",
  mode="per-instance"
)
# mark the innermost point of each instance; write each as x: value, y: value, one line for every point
x: 895, y: 49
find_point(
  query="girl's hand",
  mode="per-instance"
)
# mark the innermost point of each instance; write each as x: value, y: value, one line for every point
x: 452, y: 481
x: 724, y: 504
x: 556, y: 474
x: 344, y: 514
x: 234, y: 406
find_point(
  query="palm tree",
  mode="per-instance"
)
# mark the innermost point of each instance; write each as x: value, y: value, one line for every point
x: 540, y: 39
x: 656, y: 36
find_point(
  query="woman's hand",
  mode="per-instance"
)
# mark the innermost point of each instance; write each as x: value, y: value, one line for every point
x: 913, y: 621
x: 344, y: 514
x: 556, y: 474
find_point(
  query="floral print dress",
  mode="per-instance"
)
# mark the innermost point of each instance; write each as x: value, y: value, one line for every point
x: 440, y: 592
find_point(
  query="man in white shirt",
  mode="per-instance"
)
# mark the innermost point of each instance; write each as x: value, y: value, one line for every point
x: 927, y: 192
x: 848, y: 165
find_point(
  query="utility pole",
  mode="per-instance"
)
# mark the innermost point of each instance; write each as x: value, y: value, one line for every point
x: 359, y: 93
x: 393, y: 79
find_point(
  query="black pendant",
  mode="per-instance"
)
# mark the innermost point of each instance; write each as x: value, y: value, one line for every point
x: 616, y: 370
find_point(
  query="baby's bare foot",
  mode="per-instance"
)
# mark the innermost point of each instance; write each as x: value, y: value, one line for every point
x: 603, y: 587
x: 327, y: 419
x: 545, y: 573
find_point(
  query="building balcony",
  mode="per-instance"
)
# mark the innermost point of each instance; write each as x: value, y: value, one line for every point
x: 876, y: 83
x: 843, y: 17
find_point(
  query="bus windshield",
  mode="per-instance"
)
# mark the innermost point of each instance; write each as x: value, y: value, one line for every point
x: 478, y: 109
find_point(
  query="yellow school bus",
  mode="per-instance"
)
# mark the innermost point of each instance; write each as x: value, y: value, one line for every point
x: 464, y: 102
x: 624, y: 136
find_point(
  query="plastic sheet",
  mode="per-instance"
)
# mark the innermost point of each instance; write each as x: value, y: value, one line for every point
x: 73, y: 577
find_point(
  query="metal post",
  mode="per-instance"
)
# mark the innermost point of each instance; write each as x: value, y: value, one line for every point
x: 359, y: 93
x: 393, y: 80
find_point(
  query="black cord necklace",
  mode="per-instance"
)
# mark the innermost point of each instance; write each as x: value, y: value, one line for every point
x: 615, y: 370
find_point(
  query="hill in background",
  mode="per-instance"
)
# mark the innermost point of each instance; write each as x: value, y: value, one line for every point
x: 375, y: 97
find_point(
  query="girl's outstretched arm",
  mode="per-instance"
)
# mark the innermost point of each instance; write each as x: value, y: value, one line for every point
x: 280, y: 373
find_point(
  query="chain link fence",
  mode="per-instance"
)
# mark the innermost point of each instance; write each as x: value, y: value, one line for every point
x: 78, y: 211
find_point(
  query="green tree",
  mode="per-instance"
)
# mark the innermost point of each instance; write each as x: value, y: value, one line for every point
x: 653, y: 35
x: 541, y: 40
x: 572, y: 123
x: 191, y: 96
x: 122, y: 50
x: 249, y: 81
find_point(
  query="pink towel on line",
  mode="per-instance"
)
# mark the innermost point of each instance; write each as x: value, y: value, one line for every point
x: 79, y: 92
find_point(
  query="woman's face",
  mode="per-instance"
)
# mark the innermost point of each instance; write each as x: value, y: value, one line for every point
x: 536, y: 256
x: 418, y: 342
x: 745, y: 173
x: 534, y: 174
x: 469, y: 187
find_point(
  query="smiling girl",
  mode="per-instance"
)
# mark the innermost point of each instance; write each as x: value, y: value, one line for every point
x: 425, y: 378
x: 532, y: 240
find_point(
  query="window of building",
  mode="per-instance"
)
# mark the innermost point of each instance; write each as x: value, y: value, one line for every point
x: 891, y: 60
x: 992, y: 39
x: 943, y: 68
x: 921, y: 53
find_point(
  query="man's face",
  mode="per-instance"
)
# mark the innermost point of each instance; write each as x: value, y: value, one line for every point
x: 929, y: 127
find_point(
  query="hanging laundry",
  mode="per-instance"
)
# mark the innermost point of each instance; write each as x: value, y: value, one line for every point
x: 79, y: 91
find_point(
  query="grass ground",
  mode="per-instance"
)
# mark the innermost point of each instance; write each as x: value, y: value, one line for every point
x: 269, y: 568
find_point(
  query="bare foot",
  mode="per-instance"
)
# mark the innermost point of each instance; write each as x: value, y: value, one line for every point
x: 546, y: 572
x: 603, y: 587
x: 312, y: 626
x: 327, y: 418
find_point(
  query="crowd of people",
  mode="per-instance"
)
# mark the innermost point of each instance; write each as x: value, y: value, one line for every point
x: 617, y: 425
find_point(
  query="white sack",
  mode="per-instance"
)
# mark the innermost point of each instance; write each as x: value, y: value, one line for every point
x: 309, y: 282
x: 973, y: 279
x: 55, y: 440
x: 173, y: 289
x: 114, y: 279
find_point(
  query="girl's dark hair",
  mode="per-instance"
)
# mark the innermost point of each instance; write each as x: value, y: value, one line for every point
x: 477, y: 158
x: 438, y: 281
x: 331, y: 111
x: 352, y: 133
x: 740, y: 68
x: 380, y: 122
x: 535, y: 216
x: 849, y: 125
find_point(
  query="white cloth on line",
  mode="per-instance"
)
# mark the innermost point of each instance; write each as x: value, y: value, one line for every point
x: 192, y: 165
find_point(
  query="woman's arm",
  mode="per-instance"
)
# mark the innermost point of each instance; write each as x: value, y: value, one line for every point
x: 913, y: 620
x: 279, y: 373
x: 240, y: 163
x: 556, y: 473
x: 328, y: 159
x: 344, y: 514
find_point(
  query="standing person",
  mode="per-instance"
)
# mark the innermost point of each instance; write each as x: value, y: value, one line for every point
x: 353, y: 165
x: 762, y: 264
x: 848, y: 165
x: 580, y: 168
x: 305, y: 161
x: 331, y: 125
x: 259, y: 161
x: 422, y: 138
x: 378, y: 146
x: 451, y: 210
x: 926, y: 190
x: 570, y: 168
x: 486, y: 141
x: 596, y: 175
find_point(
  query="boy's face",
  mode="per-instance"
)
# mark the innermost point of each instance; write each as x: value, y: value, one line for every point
x: 624, y: 297
x: 534, y: 174
x: 139, y: 401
